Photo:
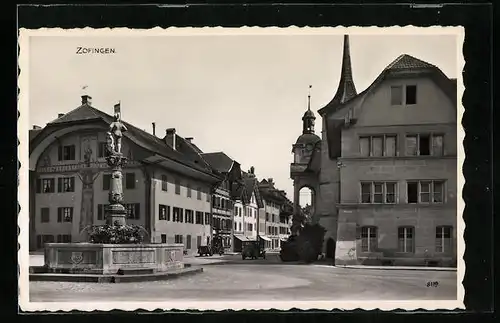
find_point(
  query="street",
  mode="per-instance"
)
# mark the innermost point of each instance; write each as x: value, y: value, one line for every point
x: 231, y: 278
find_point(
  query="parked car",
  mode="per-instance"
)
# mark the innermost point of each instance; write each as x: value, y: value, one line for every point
x: 204, y: 251
x: 253, y: 250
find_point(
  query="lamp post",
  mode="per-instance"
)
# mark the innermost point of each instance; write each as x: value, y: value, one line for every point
x: 115, y: 211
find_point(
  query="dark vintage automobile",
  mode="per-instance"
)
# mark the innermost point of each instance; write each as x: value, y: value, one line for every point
x: 253, y: 250
x: 204, y: 251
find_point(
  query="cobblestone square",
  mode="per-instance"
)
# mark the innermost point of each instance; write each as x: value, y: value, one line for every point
x: 230, y: 278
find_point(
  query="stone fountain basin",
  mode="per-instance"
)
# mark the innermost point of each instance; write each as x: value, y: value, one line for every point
x: 112, y: 259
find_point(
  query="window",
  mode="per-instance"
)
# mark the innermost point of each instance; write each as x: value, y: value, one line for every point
x: 249, y: 227
x: 102, y: 150
x: 163, y: 238
x: 390, y: 193
x: 377, y: 146
x: 239, y: 226
x: 178, y: 238
x: 411, y: 94
x: 178, y: 215
x: 207, y: 218
x: 164, y: 212
x: 378, y: 192
x: 133, y: 211
x: 41, y: 239
x: 45, y: 212
x: 177, y: 187
x: 64, y: 238
x: 106, y: 182
x: 46, y: 185
x: 100, y: 211
x: 208, y: 196
x: 189, y: 216
x: 199, y: 217
x: 396, y: 95
x: 368, y: 239
x: 198, y: 193
x: 66, y: 153
x: 198, y: 241
x: 188, y: 242
x: 425, y: 192
x: 443, y: 239
x: 130, y: 181
x: 164, y: 183
x: 405, y: 239
x: 188, y: 186
x: 267, y: 216
x: 64, y: 214
x: 65, y: 184
x: 424, y: 145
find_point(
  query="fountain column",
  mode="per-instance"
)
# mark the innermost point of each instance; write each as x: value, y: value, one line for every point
x: 115, y: 212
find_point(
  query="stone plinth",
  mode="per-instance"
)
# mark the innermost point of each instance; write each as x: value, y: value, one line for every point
x: 105, y: 259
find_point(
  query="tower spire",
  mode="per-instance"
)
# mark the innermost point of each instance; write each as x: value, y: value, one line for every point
x: 309, y: 98
x: 308, y: 118
x: 346, y: 89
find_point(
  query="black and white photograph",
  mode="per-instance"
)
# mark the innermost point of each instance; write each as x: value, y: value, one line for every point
x: 241, y: 168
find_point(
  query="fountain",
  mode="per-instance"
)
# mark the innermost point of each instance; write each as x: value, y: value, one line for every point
x: 115, y: 252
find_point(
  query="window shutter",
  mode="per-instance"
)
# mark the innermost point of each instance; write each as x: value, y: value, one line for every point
x: 59, y: 152
x: 59, y: 214
x: 137, y: 211
x: 99, y: 211
x: 38, y: 185
x: 72, y: 181
x: 59, y: 185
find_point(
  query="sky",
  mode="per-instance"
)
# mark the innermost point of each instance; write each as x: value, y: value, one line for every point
x: 244, y: 95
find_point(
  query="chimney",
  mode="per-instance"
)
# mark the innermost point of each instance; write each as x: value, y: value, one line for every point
x: 60, y: 115
x: 170, y: 138
x: 86, y: 99
x: 35, y: 127
x: 270, y: 180
x: 154, y: 128
x: 189, y: 139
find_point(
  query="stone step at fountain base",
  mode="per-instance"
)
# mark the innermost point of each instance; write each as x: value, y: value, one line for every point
x: 126, y: 276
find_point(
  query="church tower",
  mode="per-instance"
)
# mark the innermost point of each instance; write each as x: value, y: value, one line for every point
x: 301, y: 171
x: 329, y: 174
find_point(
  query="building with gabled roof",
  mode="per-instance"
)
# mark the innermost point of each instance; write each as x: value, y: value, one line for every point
x: 168, y: 185
x: 274, y: 217
x: 383, y: 175
x: 225, y: 196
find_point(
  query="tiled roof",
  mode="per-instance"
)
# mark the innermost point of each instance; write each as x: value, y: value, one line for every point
x: 346, y: 91
x: 408, y: 62
x: 219, y: 161
x: 187, y: 156
x: 80, y: 114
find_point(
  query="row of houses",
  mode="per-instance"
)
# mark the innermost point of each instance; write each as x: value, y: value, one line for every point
x: 177, y: 192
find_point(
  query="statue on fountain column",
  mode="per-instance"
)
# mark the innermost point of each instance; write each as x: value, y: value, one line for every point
x: 115, y: 134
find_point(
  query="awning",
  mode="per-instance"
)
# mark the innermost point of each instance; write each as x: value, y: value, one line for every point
x: 244, y: 238
x: 265, y: 238
x: 240, y: 237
